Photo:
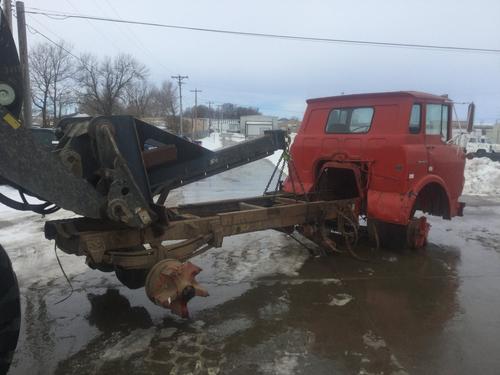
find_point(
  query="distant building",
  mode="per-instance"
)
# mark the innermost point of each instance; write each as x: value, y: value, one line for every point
x: 290, y: 125
x: 255, y: 125
x: 495, y: 133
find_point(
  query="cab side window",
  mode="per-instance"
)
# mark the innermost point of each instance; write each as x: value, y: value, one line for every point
x: 350, y: 120
x: 436, y: 120
x: 415, y: 119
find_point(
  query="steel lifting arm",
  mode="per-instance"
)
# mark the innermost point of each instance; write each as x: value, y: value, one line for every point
x: 130, y: 162
x: 112, y: 167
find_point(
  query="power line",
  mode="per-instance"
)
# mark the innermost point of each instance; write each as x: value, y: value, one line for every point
x: 133, y: 36
x: 98, y: 31
x: 33, y: 30
x: 63, y: 16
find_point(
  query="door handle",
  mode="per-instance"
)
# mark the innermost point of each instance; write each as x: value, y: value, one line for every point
x: 430, y: 147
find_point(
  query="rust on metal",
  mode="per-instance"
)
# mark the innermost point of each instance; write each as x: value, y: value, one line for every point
x: 197, y: 226
x: 159, y: 156
x: 171, y: 284
x: 190, y: 231
x: 418, y: 230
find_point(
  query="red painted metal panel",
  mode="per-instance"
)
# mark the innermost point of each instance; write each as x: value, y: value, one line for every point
x: 395, y: 164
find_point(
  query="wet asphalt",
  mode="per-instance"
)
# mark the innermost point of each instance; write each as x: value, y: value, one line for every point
x: 273, y: 308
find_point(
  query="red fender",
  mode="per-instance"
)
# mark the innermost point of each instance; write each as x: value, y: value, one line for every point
x: 393, y: 207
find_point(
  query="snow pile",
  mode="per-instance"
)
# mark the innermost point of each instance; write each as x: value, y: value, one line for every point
x: 212, y: 142
x: 482, y: 177
x: 275, y: 158
x: 218, y: 140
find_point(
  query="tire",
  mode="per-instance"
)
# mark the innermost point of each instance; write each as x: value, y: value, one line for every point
x: 132, y: 279
x: 400, y: 237
x: 10, y: 312
x: 391, y: 236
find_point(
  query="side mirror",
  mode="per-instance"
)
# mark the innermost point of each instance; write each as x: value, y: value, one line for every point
x: 470, y: 117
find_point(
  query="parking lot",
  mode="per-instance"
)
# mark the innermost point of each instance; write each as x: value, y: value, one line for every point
x: 272, y: 309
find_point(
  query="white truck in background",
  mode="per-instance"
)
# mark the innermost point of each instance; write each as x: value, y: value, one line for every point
x: 481, y: 145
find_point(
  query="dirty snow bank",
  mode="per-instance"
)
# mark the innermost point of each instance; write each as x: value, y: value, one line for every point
x: 482, y: 177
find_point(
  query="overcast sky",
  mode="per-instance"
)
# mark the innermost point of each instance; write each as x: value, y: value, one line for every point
x: 279, y: 75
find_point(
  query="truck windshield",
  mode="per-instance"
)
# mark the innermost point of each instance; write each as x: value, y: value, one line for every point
x: 349, y: 120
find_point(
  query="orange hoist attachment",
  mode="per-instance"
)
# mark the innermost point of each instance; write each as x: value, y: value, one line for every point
x: 171, y: 284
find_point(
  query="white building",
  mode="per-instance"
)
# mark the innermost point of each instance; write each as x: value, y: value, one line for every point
x: 252, y: 126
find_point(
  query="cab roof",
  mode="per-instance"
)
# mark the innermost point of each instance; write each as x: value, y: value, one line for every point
x: 390, y: 94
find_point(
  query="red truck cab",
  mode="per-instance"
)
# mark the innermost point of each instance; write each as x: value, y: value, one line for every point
x: 393, y: 150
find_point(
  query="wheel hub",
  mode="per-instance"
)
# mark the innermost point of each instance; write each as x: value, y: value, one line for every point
x: 172, y: 284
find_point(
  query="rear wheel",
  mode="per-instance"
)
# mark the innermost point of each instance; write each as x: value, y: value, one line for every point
x: 132, y: 279
x: 10, y: 312
x: 399, y: 237
x: 391, y: 236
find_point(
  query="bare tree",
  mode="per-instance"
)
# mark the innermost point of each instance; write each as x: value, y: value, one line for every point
x: 139, y: 98
x: 62, y: 65
x: 227, y: 111
x: 51, y: 68
x: 104, y: 83
x: 164, y: 104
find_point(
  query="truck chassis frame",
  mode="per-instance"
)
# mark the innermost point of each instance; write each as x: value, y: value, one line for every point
x: 196, y: 228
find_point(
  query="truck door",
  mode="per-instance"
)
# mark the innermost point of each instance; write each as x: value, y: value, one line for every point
x: 418, y: 158
x: 445, y: 160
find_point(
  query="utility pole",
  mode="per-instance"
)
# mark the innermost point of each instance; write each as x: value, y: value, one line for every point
x: 7, y: 9
x: 210, y: 115
x: 23, y: 57
x: 196, y: 91
x: 179, y: 79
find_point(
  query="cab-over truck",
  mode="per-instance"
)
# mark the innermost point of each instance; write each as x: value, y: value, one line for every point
x: 394, y: 151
